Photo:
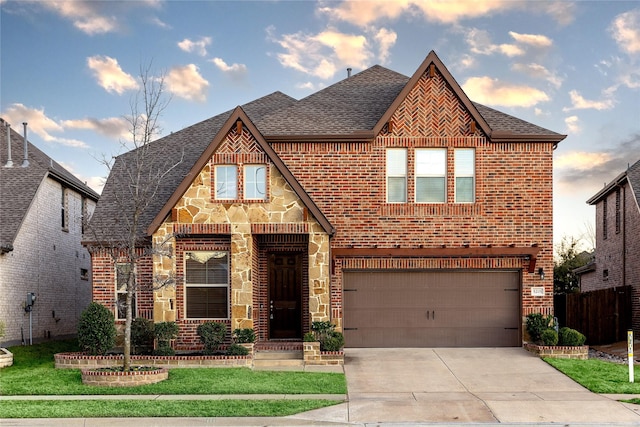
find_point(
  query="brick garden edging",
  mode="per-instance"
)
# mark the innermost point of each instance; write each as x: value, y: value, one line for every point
x: 123, y: 379
x: 84, y: 361
x: 559, y: 352
x: 6, y: 357
x: 313, y: 355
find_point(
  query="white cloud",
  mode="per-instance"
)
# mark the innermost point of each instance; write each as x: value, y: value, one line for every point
x: 578, y: 102
x: 386, y: 40
x: 186, y: 82
x: 199, y: 47
x: 486, y: 90
x: 563, y: 12
x: 110, y: 76
x: 160, y: 23
x: 538, y: 71
x: 573, y: 125
x: 581, y: 160
x: 85, y: 15
x: 38, y: 123
x: 322, y: 54
x: 235, y: 71
x: 113, y: 127
x: 307, y: 86
x: 625, y: 29
x: 533, y: 40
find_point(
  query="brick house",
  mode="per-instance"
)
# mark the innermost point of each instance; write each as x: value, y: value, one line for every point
x: 617, y: 253
x: 42, y: 207
x: 393, y: 206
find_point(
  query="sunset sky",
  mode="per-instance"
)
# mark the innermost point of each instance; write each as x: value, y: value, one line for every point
x: 70, y: 69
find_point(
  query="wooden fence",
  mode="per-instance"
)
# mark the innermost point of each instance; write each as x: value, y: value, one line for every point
x: 603, y: 316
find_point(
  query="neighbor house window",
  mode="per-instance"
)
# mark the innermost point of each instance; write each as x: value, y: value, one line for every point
x: 226, y: 182
x: 207, y: 284
x: 464, y: 171
x: 604, y: 218
x: 255, y: 182
x: 63, y: 209
x: 617, y: 211
x: 396, y: 175
x: 431, y: 172
x: 123, y: 274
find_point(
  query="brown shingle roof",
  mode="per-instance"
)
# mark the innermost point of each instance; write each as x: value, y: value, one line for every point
x: 632, y: 175
x: 18, y: 185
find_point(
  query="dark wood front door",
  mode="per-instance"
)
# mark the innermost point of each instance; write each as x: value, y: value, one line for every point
x: 285, y: 292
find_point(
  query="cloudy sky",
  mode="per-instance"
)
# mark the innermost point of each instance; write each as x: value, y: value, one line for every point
x: 70, y: 69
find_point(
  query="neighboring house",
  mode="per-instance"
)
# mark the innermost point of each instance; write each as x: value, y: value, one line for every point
x: 392, y: 206
x: 617, y: 243
x: 42, y: 207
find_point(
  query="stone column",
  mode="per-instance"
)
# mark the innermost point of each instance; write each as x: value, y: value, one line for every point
x: 319, y: 277
x: 164, y: 268
x: 241, y: 280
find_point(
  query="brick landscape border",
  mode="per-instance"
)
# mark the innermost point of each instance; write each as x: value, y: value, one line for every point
x: 123, y: 379
x: 84, y: 361
x: 559, y: 352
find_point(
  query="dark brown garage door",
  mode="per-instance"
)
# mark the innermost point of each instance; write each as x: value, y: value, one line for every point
x: 432, y: 308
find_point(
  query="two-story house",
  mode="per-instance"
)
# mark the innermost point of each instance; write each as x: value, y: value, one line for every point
x: 42, y: 212
x: 392, y: 206
x: 617, y: 253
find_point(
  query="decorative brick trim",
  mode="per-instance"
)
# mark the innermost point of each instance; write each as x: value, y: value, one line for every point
x: 185, y: 229
x: 285, y: 228
x: 559, y: 352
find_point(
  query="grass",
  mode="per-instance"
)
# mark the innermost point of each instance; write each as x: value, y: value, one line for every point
x: 599, y: 376
x: 33, y: 373
x: 157, y: 408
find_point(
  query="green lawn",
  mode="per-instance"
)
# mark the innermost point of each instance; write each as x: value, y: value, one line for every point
x: 33, y: 373
x: 599, y: 376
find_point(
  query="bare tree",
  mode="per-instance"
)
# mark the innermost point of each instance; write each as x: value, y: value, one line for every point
x: 131, y: 196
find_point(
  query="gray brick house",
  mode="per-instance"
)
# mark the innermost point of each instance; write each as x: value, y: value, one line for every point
x: 42, y: 206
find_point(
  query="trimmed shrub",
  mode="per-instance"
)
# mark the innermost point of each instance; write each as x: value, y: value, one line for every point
x: 164, y: 333
x: 96, y: 330
x: 237, y: 350
x: 142, y: 334
x: 244, y: 336
x: 549, y: 337
x: 571, y: 337
x: 537, y: 324
x: 212, y: 334
x: 309, y: 337
x: 333, y: 343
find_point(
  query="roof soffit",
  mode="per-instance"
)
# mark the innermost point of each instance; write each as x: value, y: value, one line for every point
x: 432, y: 58
x: 239, y: 114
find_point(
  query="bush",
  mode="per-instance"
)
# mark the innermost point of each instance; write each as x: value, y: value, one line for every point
x: 309, y: 337
x: 571, y: 337
x: 212, y: 334
x: 549, y: 337
x: 164, y: 333
x: 142, y: 334
x: 96, y: 330
x: 333, y: 343
x: 237, y: 350
x: 537, y: 324
x: 244, y: 336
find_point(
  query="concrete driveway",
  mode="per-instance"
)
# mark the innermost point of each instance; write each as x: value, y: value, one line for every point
x: 480, y: 385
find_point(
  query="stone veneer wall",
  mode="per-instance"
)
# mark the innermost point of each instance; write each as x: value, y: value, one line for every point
x: 197, y: 213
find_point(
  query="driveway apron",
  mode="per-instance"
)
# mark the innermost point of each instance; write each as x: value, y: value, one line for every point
x: 458, y: 385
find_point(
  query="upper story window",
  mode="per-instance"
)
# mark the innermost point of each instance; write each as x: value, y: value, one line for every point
x: 618, y: 211
x: 207, y: 284
x: 226, y: 182
x: 464, y: 171
x: 431, y: 175
x: 63, y: 210
x: 255, y: 182
x: 604, y: 219
x: 396, y: 175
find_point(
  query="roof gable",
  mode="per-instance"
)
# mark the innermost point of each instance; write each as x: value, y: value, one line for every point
x: 631, y: 175
x: 432, y: 86
x: 239, y: 118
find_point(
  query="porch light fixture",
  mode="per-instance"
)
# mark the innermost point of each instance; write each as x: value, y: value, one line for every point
x: 541, y: 273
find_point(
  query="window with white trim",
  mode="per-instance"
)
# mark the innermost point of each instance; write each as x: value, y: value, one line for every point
x: 255, y: 182
x: 123, y: 274
x: 465, y: 175
x: 226, y: 182
x: 431, y: 175
x: 396, y: 175
x: 206, y: 284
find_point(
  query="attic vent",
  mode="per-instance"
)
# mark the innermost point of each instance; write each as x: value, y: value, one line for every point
x: 239, y: 127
